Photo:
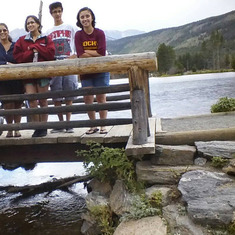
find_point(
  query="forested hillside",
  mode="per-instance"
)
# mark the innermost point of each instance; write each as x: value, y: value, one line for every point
x: 184, y: 38
x: 205, y: 44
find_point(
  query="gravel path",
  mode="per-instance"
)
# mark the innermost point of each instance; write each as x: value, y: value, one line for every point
x: 202, y: 122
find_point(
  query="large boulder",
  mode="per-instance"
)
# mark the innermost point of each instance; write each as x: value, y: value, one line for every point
x: 210, y: 197
x: 147, y: 226
x: 120, y: 199
x: 225, y: 149
x: 178, y: 221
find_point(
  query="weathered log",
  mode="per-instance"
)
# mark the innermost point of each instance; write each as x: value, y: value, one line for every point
x: 58, y: 94
x: 65, y: 124
x: 47, y: 186
x: 113, y: 63
x: 71, y: 108
x: 190, y: 137
x: 108, y: 98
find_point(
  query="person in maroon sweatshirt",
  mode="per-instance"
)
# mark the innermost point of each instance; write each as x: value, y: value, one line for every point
x: 35, y: 47
x: 91, y: 42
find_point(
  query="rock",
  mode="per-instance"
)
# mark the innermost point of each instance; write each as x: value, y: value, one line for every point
x: 147, y: 226
x: 210, y: 197
x: 230, y: 168
x: 165, y: 191
x: 89, y: 225
x: 225, y: 149
x: 95, y: 199
x: 200, y: 161
x: 179, y: 222
x: 161, y: 174
x: 120, y: 199
x: 102, y: 188
x: 173, y: 155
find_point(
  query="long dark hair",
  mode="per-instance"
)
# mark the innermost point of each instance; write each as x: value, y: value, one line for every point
x: 36, y: 20
x: 92, y: 14
x: 9, y: 37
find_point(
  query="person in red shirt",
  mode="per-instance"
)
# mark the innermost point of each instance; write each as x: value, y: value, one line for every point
x: 91, y: 42
x: 35, y: 47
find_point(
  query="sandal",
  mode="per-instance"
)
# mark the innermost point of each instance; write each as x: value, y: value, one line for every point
x: 9, y: 134
x: 92, y: 131
x: 103, y: 131
x: 17, y: 134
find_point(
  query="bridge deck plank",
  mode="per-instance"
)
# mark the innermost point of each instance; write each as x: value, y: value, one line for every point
x: 148, y: 148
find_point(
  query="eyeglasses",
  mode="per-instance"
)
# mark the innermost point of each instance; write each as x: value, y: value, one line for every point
x: 31, y: 22
x: 55, y: 12
x: 3, y: 30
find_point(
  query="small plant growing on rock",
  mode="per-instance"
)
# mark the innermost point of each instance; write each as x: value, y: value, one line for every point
x: 141, y: 207
x: 109, y: 164
x: 155, y: 199
x: 224, y: 104
x: 103, y: 217
x: 231, y: 228
x: 219, y: 162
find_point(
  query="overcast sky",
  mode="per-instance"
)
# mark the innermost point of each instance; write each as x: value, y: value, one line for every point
x: 145, y: 15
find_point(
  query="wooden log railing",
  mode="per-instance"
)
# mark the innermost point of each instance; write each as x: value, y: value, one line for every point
x: 136, y: 66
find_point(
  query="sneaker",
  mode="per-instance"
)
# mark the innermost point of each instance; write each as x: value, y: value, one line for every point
x: 57, y: 131
x: 35, y: 134
x: 40, y: 133
x: 69, y: 130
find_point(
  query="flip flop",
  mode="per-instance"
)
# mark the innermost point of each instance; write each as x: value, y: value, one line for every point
x: 103, y: 131
x: 9, y: 134
x: 92, y: 131
x: 17, y: 134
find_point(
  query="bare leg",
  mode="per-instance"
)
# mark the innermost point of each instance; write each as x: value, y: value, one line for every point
x: 43, y: 102
x: 32, y: 89
x: 17, y: 118
x: 89, y: 99
x: 60, y: 115
x: 101, y: 99
x: 68, y: 115
x: 9, y: 118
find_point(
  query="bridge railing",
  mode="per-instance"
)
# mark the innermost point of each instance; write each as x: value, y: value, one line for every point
x: 137, y: 66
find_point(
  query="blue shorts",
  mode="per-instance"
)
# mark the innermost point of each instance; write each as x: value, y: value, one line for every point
x: 102, y: 79
x: 64, y: 83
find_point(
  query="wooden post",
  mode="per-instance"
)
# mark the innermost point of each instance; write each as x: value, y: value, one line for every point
x: 146, y: 91
x: 139, y: 107
x: 139, y: 117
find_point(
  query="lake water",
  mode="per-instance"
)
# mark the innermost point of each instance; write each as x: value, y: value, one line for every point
x: 59, y: 212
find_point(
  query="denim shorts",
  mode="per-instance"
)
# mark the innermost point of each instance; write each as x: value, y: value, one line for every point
x: 64, y: 83
x: 101, y: 79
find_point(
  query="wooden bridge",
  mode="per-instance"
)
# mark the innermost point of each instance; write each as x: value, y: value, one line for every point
x: 137, y: 134
x: 137, y: 66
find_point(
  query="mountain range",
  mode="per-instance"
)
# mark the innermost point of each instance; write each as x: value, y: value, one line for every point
x: 186, y: 38
x: 110, y: 34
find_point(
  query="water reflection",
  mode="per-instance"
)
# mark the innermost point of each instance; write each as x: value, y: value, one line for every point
x: 59, y: 212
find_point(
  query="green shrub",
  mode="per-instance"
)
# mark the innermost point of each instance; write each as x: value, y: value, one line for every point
x: 109, y: 164
x: 224, y: 104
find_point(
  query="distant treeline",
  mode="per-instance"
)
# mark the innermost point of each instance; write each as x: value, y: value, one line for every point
x: 213, y: 55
